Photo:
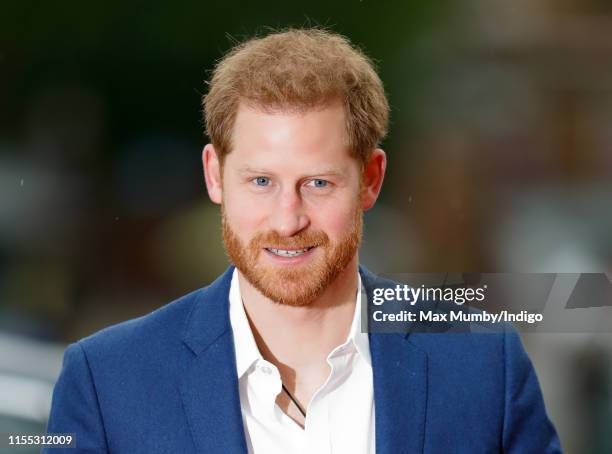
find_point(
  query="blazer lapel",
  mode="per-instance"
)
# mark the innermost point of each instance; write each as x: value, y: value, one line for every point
x: 209, y: 385
x: 400, y: 387
x: 400, y: 394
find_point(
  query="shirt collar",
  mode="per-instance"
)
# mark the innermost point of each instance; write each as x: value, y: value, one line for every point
x: 244, y: 343
x: 246, y: 349
x: 359, y: 338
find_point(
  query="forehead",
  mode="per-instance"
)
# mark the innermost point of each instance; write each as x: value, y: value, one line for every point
x: 310, y: 136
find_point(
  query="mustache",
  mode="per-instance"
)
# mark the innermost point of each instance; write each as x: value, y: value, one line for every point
x: 302, y: 239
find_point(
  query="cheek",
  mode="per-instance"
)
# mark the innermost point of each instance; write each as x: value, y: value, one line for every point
x: 243, y: 218
x: 336, y: 221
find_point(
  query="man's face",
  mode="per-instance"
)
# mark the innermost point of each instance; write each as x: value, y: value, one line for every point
x: 291, y: 205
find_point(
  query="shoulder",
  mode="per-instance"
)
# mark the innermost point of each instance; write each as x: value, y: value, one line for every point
x: 190, y: 315
x: 164, y: 336
x: 158, y: 331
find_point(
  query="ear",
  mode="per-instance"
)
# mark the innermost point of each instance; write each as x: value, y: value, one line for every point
x: 212, y: 173
x: 372, y: 178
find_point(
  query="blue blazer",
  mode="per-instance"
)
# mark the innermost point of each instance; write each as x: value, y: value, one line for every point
x: 167, y: 383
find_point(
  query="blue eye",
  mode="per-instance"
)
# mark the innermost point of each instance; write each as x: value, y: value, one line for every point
x: 262, y: 181
x: 318, y: 183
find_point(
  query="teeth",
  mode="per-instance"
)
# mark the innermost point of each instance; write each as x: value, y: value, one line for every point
x: 285, y: 253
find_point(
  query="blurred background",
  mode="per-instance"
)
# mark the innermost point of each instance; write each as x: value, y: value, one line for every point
x: 500, y: 160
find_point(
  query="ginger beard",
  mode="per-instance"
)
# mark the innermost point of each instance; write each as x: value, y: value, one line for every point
x: 293, y: 285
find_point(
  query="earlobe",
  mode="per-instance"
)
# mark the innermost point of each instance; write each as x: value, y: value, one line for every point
x: 373, y: 176
x: 212, y: 173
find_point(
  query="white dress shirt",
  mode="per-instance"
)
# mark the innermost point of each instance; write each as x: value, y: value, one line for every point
x: 340, y: 415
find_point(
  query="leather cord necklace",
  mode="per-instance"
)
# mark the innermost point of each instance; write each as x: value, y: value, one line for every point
x: 295, y: 402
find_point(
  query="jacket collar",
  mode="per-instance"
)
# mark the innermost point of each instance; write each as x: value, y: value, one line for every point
x: 209, y: 387
x: 209, y: 318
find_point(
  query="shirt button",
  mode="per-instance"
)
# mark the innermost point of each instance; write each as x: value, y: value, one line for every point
x: 266, y: 370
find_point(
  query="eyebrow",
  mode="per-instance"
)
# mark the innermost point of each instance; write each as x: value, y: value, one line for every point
x: 322, y: 172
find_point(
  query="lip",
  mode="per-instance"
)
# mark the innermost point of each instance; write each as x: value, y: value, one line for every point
x: 299, y: 259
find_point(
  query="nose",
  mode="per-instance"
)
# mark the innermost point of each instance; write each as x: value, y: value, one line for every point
x: 289, y: 217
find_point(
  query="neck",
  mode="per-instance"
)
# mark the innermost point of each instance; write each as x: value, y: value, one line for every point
x: 299, y: 339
